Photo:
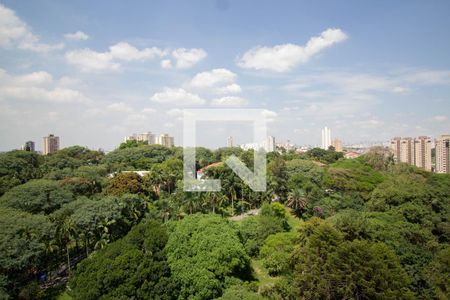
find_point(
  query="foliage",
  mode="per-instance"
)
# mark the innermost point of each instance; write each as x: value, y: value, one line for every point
x: 17, y: 167
x: 353, y: 176
x: 276, y: 252
x: 125, y: 183
x: 254, y: 230
x: 326, y: 266
x: 141, y: 157
x: 438, y: 273
x: 205, y: 256
x: 132, y: 144
x: 23, y: 243
x: 134, y: 267
x: 325, y: 156
x: 237, y: 292
x: 36, y: 196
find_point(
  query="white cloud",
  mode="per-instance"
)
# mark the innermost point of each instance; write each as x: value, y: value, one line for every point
x: 233, y: 88
x: 37, y: 86
x: 186, y: 58
x: 127, y: 52
x: 230, y: 101
x: 214, y: 77
x: 88, y: 60
x: 440, y: 118
x: 219, y: 81
x: 77, y: 36
x: 177, y: 96
x: 175, y: 112
x: 166, y: 64
x: 148, y: 110
x: 15, y: 33
x: 119, y: 107
x: 269, y: 115
x: 282, y: 58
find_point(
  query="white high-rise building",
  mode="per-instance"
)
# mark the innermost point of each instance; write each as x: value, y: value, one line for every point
x: 443, y: 154
x: 165, y: 140
x: 326, y: 138
x: 142, y: 137
x: 270, y: 144
x: 230, y: 141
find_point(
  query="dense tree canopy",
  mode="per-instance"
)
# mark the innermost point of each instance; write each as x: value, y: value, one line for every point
x: 37, y: 196
x: 326, y: 227
x: 205, y: 256
x: 134, y: 267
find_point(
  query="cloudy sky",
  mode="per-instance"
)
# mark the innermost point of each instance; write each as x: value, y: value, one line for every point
x: 95, y: 72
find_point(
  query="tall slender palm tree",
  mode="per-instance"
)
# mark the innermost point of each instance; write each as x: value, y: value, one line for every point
x: 215, y: 199
x: 298, y: 200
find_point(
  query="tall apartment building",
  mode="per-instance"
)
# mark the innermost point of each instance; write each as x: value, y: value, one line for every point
x: 337, y: 144
x: 416, y: 152
x: 142, y: 137
x: 422, y: 151
x: 443, y: 154
x: 151, y: 139
x: 165, y: 140
x: 326, y: 138
x: 51, y: 144
x: 29, y: 146
x: 270, y: 144
x: 230, y: 141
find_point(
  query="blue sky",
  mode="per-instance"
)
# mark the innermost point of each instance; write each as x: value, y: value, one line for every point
x: 93, y: 72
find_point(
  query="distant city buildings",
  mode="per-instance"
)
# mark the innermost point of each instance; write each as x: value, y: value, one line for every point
x: 151, y: 139
x: 230, y: 142
x: 326, y: 138
x: 413, y: 151
x: 51, y: 144
x: 443, y: 154
x: 165, y: 140
x: 337, y: 144
x: 268, y: 145
x: 287, y: 146
x: 29, y: 146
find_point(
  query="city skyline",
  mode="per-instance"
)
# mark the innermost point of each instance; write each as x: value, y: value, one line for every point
x: 92, y: 78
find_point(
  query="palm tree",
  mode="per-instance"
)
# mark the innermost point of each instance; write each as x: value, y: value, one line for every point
x: 298, y: 200
x: 215, y: 199
x: 67, y: 235
x: 191, y: 200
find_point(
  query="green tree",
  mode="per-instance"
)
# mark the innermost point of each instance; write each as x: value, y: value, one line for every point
x: 326, y: 267
x: 36, y: 196
x: 134, y: 267
x: 125, y: 183
x: 438, y: 273
x: 276, y: 252
x: 23, y: 243
x: 205, y: 256
x: 17, y: 167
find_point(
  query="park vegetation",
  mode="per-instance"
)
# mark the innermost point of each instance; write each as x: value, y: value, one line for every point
x: 81, y: 224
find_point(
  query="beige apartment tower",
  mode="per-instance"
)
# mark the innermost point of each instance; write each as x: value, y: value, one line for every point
x: 443, y: 154
x: 422, y: 151
x: 403, y: 149
x: 51, y: 144
x: 337, y: 144
x: 165, y: 140
x: 413, y: 151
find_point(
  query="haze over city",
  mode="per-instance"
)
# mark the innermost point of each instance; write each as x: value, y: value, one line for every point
x: 92, y: 76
